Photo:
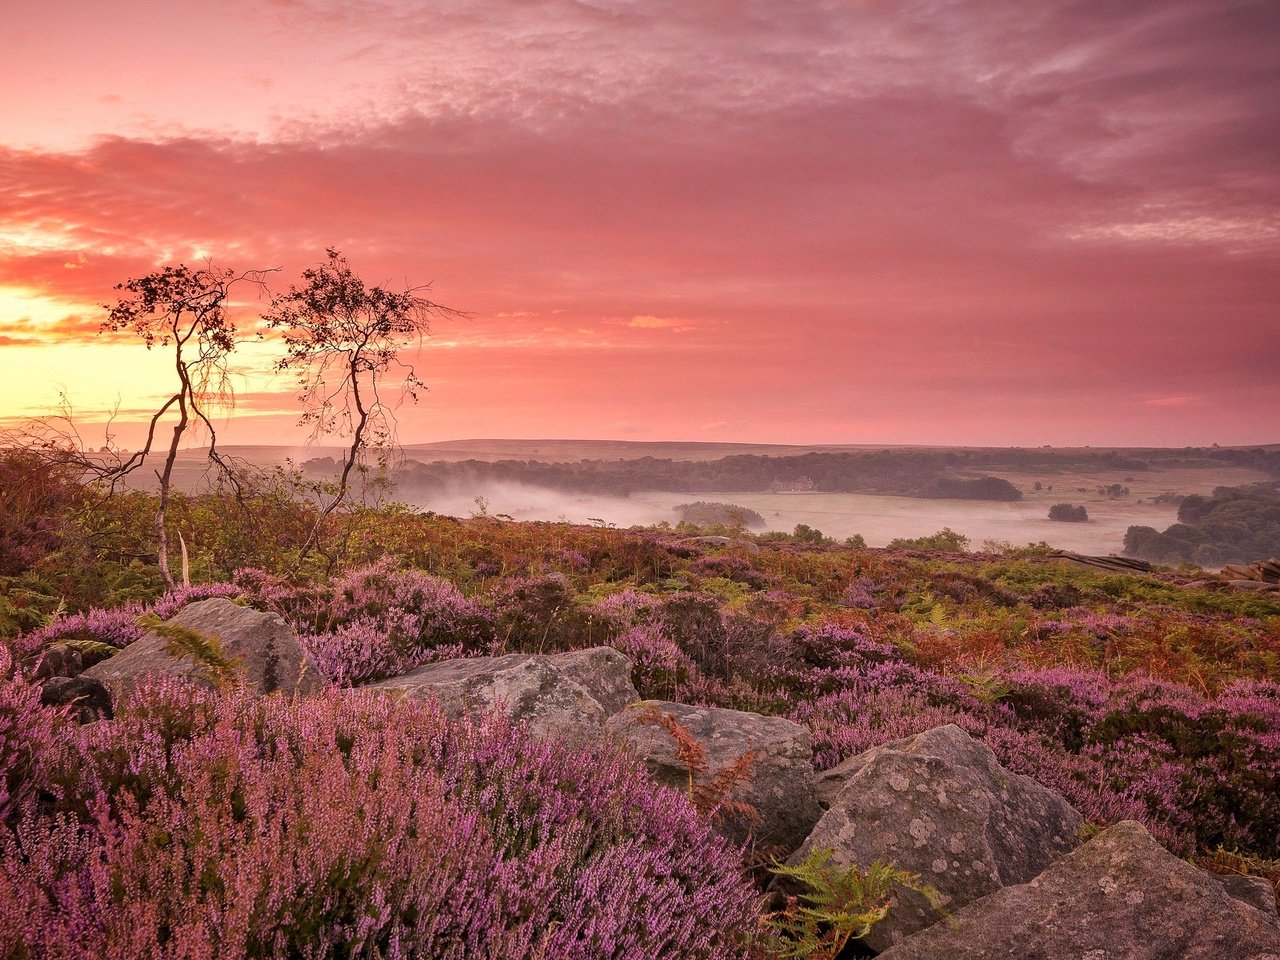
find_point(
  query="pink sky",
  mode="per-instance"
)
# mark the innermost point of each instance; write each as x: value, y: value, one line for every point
x: 973, y: 221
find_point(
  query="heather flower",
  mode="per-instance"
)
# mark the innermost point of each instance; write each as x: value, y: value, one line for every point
x: 29, y: 736
x: 351, y: 824
x: 626, y: 608
x: 119, y: 626
x: 377, y: 622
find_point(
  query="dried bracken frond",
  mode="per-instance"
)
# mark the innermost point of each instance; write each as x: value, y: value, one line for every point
x: 711, y: 797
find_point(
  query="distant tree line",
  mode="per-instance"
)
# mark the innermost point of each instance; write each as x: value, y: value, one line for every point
x: 1233, y: 525
x: 909, y: 473
x: 906, y: 472
x: 978, y: 488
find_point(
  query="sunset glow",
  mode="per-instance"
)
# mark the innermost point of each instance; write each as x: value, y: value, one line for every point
x: 978, y: 222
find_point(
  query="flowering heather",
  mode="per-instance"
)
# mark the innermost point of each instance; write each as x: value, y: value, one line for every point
x: 119, y: 626
x: 378, y: 622
x: 29, y: 736
x: 625, y: 608
x: 860, y: 593
x: 223, y: 826
x: 536, y: 614
x: 355, y: 825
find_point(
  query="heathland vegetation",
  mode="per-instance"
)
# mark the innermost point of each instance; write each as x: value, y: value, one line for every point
x: 200, y: 820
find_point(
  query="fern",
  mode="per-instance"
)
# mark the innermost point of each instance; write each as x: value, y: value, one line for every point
x: 207, y: 652
x: 985, y: 684
x: 710, y: 797
x: 837, y: 905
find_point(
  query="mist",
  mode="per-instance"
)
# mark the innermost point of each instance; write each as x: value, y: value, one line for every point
x: 526, y: 502
x: 878, y: 519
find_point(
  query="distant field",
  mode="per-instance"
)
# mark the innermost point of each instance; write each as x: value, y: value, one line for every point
x: 877, y: 518
x: 881, y: 519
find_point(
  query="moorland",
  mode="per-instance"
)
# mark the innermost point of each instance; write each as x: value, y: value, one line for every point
x: 197, y: 819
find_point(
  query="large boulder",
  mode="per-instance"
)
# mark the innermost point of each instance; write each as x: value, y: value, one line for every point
x: 263, y: 648
x: 780, y: 784
x: 939, y: 805
x: 1121, y: 896
x: 567, y: 695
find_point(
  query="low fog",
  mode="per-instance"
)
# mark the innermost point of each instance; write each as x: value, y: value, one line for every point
x: 878, y: 519
x: 523, y: 502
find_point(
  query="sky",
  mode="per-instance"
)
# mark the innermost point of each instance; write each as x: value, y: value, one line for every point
x: 991, y: 222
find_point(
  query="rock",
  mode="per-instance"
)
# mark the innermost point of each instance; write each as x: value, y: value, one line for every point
x: 59, y: 660
x: 1121, y: 896
x: 564, y: 695
x: 782, y: 783
x: 1257, y: 586
x: 939, y: 805
x: 1111, y: 563
x: 605, y: 673
x: 266, y: 650
x: 90, y: 698
x: 1255, y: 891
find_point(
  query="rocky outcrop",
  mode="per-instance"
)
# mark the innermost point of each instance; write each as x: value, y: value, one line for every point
x: 1255, y: 586
x: 780, y: 785
x: 939, y: 805
x: 1111, y: 563
x: 562, y: 695
x: 1264, y: 571
x: 1121, y: 896
x: 263, y: 649
x: 88, y: 699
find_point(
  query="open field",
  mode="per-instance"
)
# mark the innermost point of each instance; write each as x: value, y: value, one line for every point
x: 877, y: 518
x: 881, y: 519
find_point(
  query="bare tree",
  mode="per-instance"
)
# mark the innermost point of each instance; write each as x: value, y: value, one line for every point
x: 184, y: 310
x: 343, y: 341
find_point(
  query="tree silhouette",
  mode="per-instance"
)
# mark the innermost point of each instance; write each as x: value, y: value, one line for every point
x: 343, y: 338
x: 184, y: 310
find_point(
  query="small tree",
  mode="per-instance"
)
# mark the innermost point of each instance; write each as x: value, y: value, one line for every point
x: 185, y: 311
x: 342, y: 340
x: 1068, y: 513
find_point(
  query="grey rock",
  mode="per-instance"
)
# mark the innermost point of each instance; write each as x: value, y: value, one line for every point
x: 1255, y: 891
x: 939, y: 805
x: 90, y: 699
x: 781, y: 786
x: 604, y: 672
x: 1256, y: 586
x: 563, y: 695
x: 266, y: 650
x: 1121, y: 896
x: 58, y: 660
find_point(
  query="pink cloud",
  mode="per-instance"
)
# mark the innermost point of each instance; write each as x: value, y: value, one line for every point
x: 975, y: 222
